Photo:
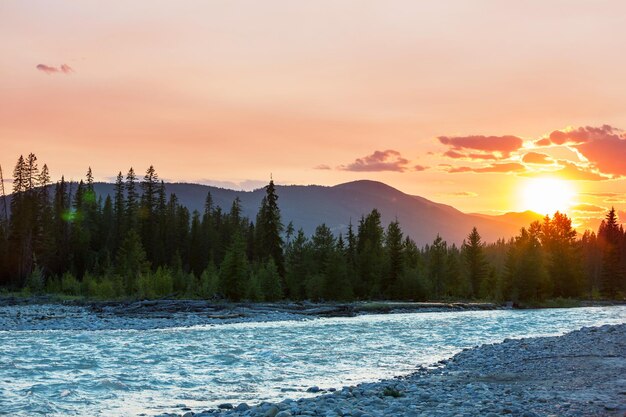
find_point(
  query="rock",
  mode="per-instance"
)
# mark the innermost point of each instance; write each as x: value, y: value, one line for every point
x: 242, y: 407
x: 271, y: 412
x: 283, y: 414
x: 225, y: 406
x: 314, y: 388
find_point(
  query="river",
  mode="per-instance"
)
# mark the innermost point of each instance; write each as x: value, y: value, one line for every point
x: 129, y: 372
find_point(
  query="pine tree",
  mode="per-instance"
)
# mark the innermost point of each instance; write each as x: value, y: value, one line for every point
x: 473, y: 254
x: 131, y: 200
x: 610, y: 238
x: 147, y: 211
x: 370, y: 255
x: 131, y: 262
x: 394, y: 255
x: 119, y: 209
x: 437, y: 263
x: 564, y: 264
x: 268, y: 229
x: 234, y: 273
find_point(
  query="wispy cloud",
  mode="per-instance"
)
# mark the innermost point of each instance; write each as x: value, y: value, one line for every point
x: 588, y: 208
x: 322, y: 167
x: 63, y: 69
x: 480, y: 146
x: 388, y: 160
x: 492, y: 168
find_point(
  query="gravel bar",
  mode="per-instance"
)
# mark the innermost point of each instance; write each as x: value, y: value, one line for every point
x: 582, y: 373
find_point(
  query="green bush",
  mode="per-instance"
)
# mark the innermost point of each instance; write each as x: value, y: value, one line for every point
x: 69, y: 284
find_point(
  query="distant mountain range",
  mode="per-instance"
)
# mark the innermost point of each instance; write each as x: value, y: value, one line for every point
x: 307, y: 206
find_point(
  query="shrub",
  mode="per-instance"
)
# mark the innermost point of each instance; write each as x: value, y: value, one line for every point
x: 69, y: 284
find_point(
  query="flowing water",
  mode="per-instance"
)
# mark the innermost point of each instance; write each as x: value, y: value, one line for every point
x: 128, y: 372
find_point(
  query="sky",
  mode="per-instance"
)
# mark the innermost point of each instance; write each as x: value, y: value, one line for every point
x: 488, y: 106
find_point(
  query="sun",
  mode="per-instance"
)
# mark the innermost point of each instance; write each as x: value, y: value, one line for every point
x: 547, y: 195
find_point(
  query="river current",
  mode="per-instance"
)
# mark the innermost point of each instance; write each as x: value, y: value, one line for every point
x: 130, y: 372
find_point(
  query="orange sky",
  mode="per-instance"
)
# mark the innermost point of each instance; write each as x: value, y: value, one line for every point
x: 324, y: 92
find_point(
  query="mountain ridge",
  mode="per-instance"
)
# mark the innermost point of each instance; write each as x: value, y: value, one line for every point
x: 308, y: 206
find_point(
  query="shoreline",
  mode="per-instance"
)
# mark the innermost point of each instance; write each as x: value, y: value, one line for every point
x: 48, y: 313
x: 580, y: 373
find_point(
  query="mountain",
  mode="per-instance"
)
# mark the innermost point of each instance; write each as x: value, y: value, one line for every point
x: 523, y: 218
x: 310, y: 205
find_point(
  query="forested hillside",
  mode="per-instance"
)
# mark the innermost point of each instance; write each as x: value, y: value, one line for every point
x: 139, y: 241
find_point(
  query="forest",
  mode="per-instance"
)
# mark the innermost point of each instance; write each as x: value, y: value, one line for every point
x: 64, y: 239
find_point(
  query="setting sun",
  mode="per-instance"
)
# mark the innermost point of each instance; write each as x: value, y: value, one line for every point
x: 547, y: 195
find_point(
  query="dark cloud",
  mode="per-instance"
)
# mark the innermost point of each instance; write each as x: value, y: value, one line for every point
x: 388, y: 160
x: 64, y: 69
x: 537, y: 158
x: 489, y: 147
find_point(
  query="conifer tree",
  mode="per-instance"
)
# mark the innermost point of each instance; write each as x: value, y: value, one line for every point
x: 234, y: 271
x: 473, y: 254
x: 268, y: 229
x: 394, y: 255
x: 610, y: 238
x: 131, y: 200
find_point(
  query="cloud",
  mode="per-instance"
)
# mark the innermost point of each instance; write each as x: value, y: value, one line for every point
x: 464, y: 194
x: 420, y: 168
x: 615, y: 200
x: 571, y: 171
x: 502, y: 168
x: 537, y: 158
x: 602, y: 194
x: 489, y: 147
x: 64, y: 69
x: 388, y: 160
x: 322, y: 167
x: 583, y: 134
x: 589, y: 208
x: 604, y: 147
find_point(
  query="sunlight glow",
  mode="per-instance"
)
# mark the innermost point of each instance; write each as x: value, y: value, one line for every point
x: 548, y: 195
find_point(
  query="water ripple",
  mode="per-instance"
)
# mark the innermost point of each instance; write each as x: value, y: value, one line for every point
x: 127, y: 372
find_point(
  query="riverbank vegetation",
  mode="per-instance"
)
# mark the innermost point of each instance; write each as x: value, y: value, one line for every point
x: 141, y: 243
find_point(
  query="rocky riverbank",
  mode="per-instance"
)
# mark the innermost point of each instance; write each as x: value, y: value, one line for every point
x: 45, y: 313
x: 582, y: 373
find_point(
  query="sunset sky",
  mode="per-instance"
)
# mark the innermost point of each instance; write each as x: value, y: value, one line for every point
x: 469, y: 103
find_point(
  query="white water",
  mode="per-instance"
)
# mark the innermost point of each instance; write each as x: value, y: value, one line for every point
x: 127, y: 372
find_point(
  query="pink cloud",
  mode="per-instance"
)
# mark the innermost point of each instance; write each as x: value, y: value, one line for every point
x: 322, y: 167
x: 388, y: 160
x: 501, y: 168
x: 536, y: 158
x: 604, y: 147
x: 420, y: 168
x: 488, y: 146
x: 64, y: 68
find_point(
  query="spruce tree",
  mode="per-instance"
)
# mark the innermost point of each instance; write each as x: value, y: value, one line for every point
x: 610, y: 238
x: 475, y: 264
x: 268, y: 229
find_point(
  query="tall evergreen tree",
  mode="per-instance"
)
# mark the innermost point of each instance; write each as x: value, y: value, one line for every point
x: 473, y: 253
x: 268, y: 229
x: 610, y: 238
